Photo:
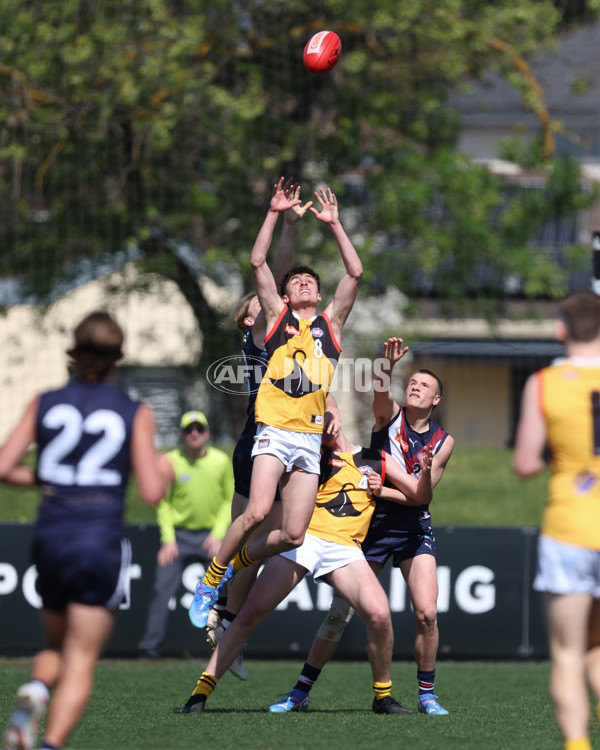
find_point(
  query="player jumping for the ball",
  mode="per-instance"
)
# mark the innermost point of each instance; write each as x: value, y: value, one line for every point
x: 303, y: 348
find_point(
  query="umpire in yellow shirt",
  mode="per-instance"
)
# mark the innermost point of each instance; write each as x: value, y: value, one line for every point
x: 192, y: 518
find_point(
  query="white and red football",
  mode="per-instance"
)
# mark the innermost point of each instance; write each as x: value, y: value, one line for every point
x: 322, y: 52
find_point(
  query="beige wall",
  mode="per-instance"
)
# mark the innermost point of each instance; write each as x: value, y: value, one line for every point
x: 476, y: 403
x: 159, y: 326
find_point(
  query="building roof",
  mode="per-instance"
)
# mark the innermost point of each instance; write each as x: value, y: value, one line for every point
x: 495, y: 349
x: 568, y: 72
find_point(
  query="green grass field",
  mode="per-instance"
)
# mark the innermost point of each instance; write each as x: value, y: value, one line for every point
x: 137, y: 706
x: 500, y: 705
x: 478, y: 489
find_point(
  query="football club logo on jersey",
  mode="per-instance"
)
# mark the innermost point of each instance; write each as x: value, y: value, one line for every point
x: 341, y: 505
x: 317, y: 332
x: 403, y: 444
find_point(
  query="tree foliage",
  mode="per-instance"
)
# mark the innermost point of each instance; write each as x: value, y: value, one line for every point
x: 161, y: 125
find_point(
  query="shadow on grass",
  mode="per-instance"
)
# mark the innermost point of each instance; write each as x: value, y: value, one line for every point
x: 264, y: 711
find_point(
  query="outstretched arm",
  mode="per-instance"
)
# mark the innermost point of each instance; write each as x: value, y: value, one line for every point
x: 345, y: 294
x: 384, y: 406
x: 266, y: 287
x: 282, y: 262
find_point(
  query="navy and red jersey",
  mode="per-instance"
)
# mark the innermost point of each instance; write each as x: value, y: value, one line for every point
x: 404, y: 445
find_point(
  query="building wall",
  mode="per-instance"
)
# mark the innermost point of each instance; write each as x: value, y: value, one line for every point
x: 476, y: 406
x: 159, y: 325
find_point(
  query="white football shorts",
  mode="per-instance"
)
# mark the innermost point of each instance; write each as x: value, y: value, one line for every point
x: 320, y: 556
x: 301, y: 450
x: 566, y: 568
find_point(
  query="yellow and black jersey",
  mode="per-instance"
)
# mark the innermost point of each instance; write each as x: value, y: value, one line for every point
x: 344, y: 507
x: 570, y: 403
x: 302, y: 355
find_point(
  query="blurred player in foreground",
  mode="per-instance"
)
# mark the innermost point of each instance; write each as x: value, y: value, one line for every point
x: 560, y: 411
x: 89, y: 437
x: 331, y: 552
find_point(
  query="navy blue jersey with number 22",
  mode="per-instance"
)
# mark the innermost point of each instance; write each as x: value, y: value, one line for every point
x: 83, y: 434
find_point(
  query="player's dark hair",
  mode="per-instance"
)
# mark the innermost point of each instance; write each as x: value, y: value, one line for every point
x: 440, y: 385
x: 98, y: 342
x: 241, y: 311
x: 580, y: 312
x: 295, y: 271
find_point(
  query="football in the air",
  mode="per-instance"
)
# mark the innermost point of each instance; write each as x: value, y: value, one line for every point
x: 322, y: 52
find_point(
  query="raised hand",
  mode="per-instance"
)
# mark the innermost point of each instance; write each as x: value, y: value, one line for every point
x: 283, y: 196
x: 393, y: 350
x: 329, y: 208
x: 296, y: 212
x: 426, y: 459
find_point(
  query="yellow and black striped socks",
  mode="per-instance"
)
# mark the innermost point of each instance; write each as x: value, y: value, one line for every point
x: 242, y: 560
x: 213, y: 575
x: 382, y: 689
x: 205, y: 685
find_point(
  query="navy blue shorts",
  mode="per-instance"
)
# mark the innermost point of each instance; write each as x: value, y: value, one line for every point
x: 82, y: 570
x: 242, y: 464
x: 384, y: 540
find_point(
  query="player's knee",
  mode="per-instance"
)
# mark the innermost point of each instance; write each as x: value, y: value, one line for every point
x: 250, y: 616
x: 339, y: 615
x: 253, y: 517
x: 427, y: 617
x: 379, y: 617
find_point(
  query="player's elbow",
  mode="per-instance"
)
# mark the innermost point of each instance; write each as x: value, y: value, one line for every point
x: 526, y: 468
x: 152, y: 486
x: 253, y: 517
x: 152, y: 495
x: 257, y: 262
x: 423, y: 499
x: 290, y: 540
